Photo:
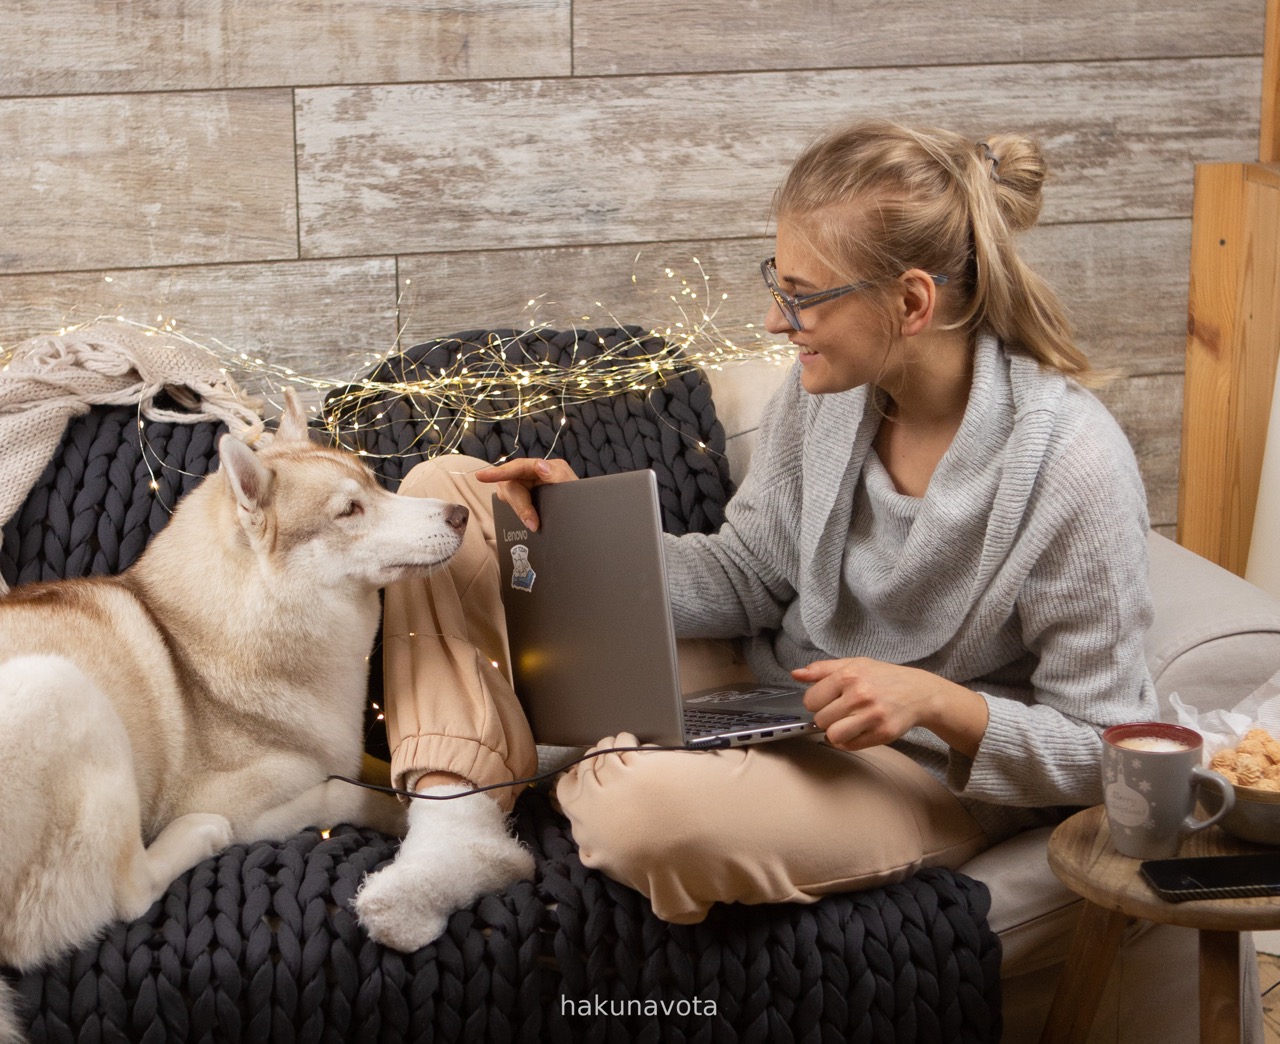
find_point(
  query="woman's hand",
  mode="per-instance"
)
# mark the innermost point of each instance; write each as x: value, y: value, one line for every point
x: 515, y: 478
x: 865, y: 703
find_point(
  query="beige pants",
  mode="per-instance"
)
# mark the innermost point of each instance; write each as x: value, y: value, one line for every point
x: 780, y: 822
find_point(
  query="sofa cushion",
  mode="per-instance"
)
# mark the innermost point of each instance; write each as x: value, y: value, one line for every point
x: 1031, y: 910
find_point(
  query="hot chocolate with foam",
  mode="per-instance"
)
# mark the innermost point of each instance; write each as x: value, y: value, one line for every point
x: 1155, y: 743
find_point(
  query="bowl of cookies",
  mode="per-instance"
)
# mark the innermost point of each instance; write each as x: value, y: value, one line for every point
x: 1253, y: 766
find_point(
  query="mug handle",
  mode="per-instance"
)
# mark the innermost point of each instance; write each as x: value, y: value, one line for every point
x: 1203, y: 777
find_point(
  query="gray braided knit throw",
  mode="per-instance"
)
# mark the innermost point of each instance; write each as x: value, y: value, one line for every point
x: 93, y: 510
x: 672, y: 428
x: 259, y: 943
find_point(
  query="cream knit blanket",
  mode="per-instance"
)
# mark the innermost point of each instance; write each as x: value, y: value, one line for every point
x: 46, y: 381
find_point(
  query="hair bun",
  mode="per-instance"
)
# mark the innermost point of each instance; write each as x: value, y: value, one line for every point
x: 1018, y: 171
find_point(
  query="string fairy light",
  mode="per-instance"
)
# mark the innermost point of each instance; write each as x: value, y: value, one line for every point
x: 498, y: 380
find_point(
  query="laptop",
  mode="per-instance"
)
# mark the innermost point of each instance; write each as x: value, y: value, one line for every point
x: 593, y: 647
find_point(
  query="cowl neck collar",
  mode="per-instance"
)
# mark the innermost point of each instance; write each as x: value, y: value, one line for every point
x: 968, y: 517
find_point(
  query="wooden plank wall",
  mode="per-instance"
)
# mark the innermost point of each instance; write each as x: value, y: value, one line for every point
x: 308, y: 182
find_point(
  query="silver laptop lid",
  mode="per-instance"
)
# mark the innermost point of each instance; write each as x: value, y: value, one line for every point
x: 593, y: 649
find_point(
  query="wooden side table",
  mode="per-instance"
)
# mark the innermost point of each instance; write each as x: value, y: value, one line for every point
x: 1081, y: 854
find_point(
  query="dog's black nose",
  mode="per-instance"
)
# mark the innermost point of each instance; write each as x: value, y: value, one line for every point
x: 455, y: 517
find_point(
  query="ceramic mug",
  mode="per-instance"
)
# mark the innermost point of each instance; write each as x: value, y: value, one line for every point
x: 1151, y: 774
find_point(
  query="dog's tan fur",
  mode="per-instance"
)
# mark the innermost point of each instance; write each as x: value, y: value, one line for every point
x: 203, y: 696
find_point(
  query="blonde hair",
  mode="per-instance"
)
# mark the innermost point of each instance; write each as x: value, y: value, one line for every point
x: 874, y: 199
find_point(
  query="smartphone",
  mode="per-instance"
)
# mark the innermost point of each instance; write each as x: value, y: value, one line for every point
x: 1214, y: 877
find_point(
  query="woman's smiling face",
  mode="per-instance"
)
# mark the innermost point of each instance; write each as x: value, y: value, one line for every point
x: 845, y: 343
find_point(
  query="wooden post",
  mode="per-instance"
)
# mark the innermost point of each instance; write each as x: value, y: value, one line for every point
x: 1269, y: 140
x: 1233, y: 335
x: 1219, y: 986
x: 1092, y: 952
x: 1233, y: 340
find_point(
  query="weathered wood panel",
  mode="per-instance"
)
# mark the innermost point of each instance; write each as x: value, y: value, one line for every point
x: 1099, y: 270
x: 1124, y: 285
x: 1149, y: 410
x: 622, y: 36
x: 1269, y: 137
x: 656, y: 285
x: 74, y: 47
x: 322, y: 318
x: 147, y: 179
x: 438, y: 167
x: 331, y: 317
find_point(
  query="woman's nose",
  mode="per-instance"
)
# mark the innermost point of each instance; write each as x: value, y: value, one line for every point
x: 775, y: 322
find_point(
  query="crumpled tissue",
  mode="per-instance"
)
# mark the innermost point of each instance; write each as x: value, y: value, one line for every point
x: 1261, y: 709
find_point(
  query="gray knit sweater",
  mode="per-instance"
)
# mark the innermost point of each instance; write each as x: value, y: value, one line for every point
x: 1021, y: 573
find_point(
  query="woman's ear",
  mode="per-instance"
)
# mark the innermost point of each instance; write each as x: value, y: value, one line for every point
x: 917, y: 300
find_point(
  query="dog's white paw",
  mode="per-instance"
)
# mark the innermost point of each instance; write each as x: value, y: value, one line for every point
x: 209, y: 832
x: 451, y: 856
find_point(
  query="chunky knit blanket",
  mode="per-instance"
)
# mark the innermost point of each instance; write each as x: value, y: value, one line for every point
x: 46, y: 381
x: 259, y: 944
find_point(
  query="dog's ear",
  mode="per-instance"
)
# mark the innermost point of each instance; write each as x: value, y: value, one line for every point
x: 248, y: 478
x: 293, y: 422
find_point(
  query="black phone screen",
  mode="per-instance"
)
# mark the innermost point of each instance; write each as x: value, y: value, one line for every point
x: 1214, y: 877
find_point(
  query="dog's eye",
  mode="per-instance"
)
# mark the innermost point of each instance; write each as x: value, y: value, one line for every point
x: 354, y: 507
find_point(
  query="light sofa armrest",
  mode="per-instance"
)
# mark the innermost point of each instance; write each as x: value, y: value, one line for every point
x: 1215, y: 637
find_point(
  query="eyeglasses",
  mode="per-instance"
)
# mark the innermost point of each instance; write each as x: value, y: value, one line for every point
x: 792, y: 304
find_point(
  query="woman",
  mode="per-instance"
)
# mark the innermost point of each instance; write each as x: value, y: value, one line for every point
x: 942, y: 535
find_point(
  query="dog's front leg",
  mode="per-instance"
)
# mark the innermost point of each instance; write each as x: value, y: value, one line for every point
x: 326, y: 805
x: 182, y: 844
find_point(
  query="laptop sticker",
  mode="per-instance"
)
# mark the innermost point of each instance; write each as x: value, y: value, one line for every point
x: 522, y: 573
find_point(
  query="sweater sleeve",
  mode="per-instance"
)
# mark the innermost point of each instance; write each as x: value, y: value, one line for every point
x: 1084, y: 609
x: 738, y: 581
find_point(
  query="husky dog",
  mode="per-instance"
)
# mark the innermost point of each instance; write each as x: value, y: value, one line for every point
x: 203, y: 696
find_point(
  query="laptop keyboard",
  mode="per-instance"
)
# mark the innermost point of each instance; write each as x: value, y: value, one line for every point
x: 704, y: 722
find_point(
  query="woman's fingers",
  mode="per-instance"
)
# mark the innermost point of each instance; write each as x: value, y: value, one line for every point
x: 514, y: 480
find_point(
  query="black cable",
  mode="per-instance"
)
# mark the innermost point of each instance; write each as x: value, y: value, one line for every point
x: 530, y: 780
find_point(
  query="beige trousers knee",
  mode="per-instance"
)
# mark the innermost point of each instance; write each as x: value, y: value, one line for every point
x: 780, y: 822
x: 776, y: 822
